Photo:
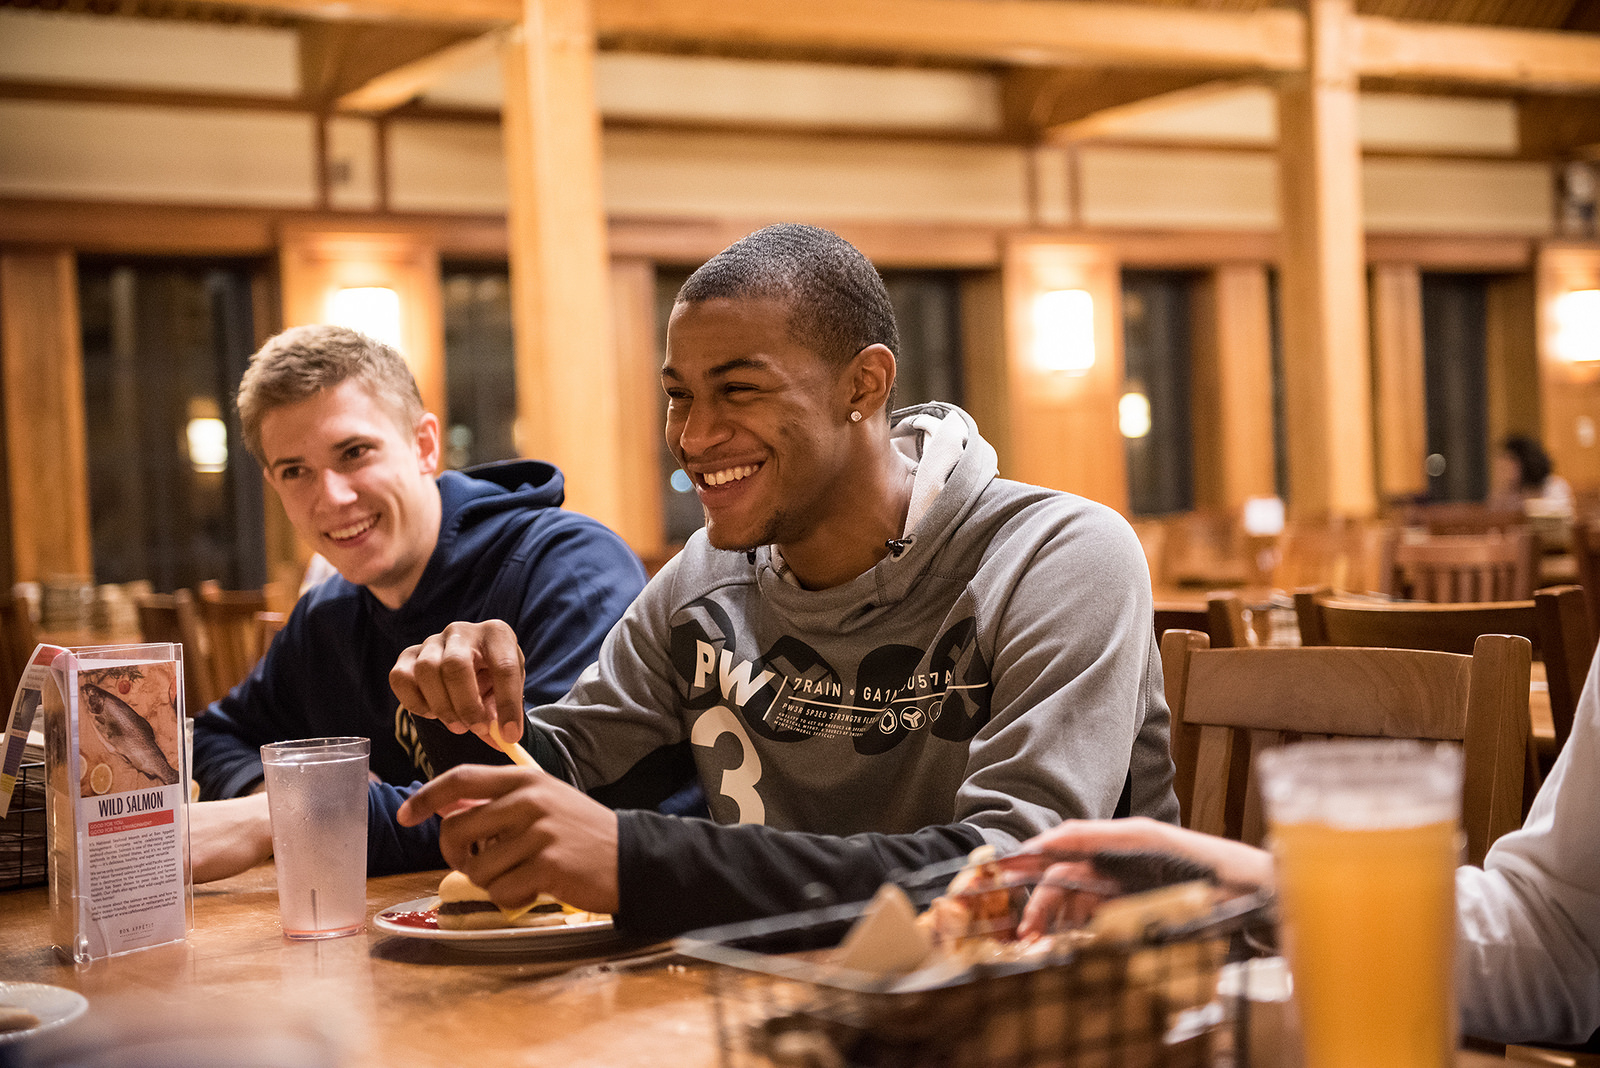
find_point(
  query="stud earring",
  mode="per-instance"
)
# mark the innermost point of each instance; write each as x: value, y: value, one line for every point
x: 855, y: 417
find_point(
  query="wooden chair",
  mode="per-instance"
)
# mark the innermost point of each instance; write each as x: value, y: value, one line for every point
x: 1553, y: 621
x: 172, y: 617
x: 268, y: 624
x: 1497, y: 566
x: 232, y: 632
x: 1586, y: 554
x: 1222, y: 619
x: 1228, y: 704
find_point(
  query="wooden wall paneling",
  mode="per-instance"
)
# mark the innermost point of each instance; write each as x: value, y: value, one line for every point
x: 633, y: 284
x: 1231, y: 388
x: 983, y: 359
x: 1512, y: 359
x: 1569, y: 392
x: 568, y: 411
x: 46, y: 449
x: 1064, y: 426
x: 1326, y: 378
x: 1399, y: 391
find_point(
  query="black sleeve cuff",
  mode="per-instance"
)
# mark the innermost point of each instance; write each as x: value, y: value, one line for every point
x: 676, y: 875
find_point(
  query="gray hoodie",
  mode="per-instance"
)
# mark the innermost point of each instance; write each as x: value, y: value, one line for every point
x: 994, y: 674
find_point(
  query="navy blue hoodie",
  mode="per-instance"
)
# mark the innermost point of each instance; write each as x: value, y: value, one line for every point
x: 506, y: 550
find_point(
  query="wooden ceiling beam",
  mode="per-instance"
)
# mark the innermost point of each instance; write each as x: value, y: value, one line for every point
x: 400, y: 84
x: 1536, y: 60
x: 1022, y: 32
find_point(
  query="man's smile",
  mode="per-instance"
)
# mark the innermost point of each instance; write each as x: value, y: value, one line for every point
x: 354, y: 530
x: 728, y: 474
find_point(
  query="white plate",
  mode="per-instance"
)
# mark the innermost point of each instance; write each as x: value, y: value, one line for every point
x: 552, y: 939
x: 54, y: 1005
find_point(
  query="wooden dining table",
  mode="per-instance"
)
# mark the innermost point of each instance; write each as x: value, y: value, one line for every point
x: 377, y: 1000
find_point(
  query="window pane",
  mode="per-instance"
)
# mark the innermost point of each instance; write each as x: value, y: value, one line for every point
x: 170, y: 499
x: 1157, y: 353
x: 480, y: 365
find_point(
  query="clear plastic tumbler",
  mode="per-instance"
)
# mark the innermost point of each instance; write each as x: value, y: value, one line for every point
x: 317, y: 794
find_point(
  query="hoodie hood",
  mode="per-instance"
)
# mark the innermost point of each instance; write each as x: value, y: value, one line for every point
x: 954, y: 466
x: 479, y: 507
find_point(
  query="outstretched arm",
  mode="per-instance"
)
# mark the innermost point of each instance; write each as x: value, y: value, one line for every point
x: 464, y: 676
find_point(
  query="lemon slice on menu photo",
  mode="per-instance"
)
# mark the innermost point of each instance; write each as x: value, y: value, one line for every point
x: 100, y: 778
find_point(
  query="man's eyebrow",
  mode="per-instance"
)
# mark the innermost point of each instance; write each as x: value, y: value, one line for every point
x: 738, y: 363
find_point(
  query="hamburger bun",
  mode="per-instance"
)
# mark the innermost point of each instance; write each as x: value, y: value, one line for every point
x: 465, y: 906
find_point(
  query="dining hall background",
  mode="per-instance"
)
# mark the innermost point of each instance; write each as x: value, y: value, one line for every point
x: 1175, y: 257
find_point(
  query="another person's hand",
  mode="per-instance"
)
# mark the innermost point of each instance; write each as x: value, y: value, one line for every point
x: 464, y: 676
x: 1235, y: 863
x: 519, y: 832
x: 228, y: 837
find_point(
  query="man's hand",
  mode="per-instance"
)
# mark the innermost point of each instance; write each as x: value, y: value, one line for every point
x: 518, y: 832
x: 463, y: 677
x: 228, y: 837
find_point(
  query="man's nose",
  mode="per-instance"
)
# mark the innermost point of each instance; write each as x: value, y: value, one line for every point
x: 701, y: 427
x: 337, y: 489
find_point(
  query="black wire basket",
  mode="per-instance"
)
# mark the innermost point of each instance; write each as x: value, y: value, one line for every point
x: 23, y: 857
x: 1146, y: 999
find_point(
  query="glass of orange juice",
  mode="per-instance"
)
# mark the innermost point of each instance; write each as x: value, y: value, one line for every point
x: 1366, y: 836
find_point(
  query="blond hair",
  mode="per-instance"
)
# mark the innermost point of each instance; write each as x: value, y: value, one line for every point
x: 305, y: 360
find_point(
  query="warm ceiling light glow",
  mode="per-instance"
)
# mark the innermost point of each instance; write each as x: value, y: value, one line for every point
x: 1133, y: 415
x: 371, y: 310
x: 208, y: 444
x: 1063, y: 331
x: 1577, y: 336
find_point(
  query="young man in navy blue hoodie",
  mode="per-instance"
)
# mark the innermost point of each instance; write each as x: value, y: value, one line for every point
x: 337, y: 423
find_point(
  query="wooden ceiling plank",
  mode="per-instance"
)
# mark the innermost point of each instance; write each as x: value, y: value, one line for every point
x: 1026, y: 32
x: 485, y: 13
x: 1481, y: 55
x: 395, y: 87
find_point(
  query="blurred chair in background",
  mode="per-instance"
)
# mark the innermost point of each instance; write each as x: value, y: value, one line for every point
x: 233, y: 633
x: 1228, y: 704
x: 1495, y: 566
x: 172, y: 617
x: 17, y: 641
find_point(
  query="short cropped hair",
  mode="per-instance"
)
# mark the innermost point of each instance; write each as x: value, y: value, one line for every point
x: 837, y: 302
x: 1533, y: 463
x: 305, y: 360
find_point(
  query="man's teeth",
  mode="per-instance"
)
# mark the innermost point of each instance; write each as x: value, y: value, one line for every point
x: 353, y: 530
x: 732, y: 474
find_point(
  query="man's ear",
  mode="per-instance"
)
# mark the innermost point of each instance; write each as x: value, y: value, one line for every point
x: 429, y: 444
x: 871, y: 376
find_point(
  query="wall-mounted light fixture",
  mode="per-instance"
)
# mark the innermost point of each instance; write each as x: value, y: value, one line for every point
x: 1133, y: 414
x: 1263, y: 517
x: 1577, y: 336
x: 371, y: 310
x: 1063, y: 331
x: 206, y: 436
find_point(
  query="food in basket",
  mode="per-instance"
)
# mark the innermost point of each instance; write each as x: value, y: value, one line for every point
x: 465, y: 906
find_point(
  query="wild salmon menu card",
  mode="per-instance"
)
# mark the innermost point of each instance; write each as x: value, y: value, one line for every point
x: 116, y: 791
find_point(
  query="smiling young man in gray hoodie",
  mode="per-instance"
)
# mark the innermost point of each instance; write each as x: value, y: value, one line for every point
x: 881, y: 653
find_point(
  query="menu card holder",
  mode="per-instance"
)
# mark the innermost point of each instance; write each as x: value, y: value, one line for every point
x: 117, y: 788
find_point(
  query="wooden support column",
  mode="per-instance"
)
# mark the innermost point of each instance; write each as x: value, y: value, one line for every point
x: 46, y: 450
x: 641, y: 416
x: 1063, y: 427
x: 1231, y: 388
x: 1326, y: 377
x: 1400, y: 389
x: 568, y: 410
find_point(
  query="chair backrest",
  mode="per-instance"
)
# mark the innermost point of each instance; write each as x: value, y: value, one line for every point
x: 1228, y: 704
x: 1586, y: 554
x: 1222, y: 619
x: 1464, y: 517
x: 1496, y: 566
x: 172, y: 617
x: 1553, y: 621
x: 232, y: 632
